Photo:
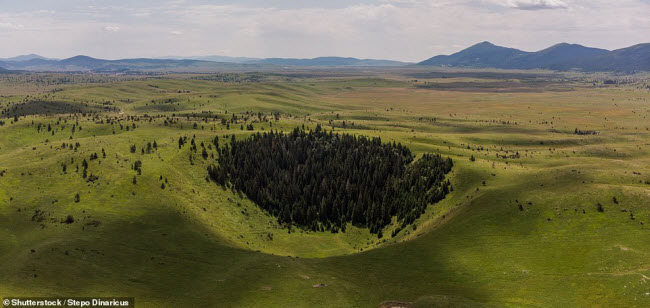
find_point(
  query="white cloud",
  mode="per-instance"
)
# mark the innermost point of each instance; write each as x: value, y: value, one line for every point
x: 410, y: 30
x: 11, y: 26
x: 111, y: 28
x: 535, y: 4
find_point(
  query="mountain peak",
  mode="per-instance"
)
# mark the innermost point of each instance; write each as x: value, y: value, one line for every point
x: 79, y: 57
x: 23, y: 58
x: 484, y: 43
x: 484, y: 54
x: 562, y: 56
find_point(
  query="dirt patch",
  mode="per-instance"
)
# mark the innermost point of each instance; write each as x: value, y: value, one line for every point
x: 395, y: 304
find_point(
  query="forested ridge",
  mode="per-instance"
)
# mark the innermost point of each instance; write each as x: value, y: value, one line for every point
x: 321, y: 180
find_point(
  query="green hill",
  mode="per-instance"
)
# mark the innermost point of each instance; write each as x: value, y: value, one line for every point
x: 539, y: 215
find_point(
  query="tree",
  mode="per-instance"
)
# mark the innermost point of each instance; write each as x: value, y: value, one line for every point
x: 321, y: 180
x: 69, y: 219
x: 137, y: 166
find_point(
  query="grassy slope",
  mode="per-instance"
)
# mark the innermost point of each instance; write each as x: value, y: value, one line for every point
x: 193, y: 243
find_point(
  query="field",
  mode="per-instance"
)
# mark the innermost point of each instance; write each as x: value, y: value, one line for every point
x: 550, y: 207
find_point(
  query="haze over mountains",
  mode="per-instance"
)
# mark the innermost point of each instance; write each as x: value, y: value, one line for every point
x: 560, y: 57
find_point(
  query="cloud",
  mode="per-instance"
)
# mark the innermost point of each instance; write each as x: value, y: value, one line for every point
x: 410, y: 30
x: 11, y: 26
x: 536, y: 4
x: 111, y: 28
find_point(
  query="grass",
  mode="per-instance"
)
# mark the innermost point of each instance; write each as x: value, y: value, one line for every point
x: 195, y: 243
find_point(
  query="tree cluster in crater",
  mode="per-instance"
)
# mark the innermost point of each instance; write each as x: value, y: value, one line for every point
x: 320, y: 180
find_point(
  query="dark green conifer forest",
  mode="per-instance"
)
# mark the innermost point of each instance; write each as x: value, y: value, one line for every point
x: 320, y: 180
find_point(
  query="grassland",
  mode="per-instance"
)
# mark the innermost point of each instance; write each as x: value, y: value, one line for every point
x: 521, y: 228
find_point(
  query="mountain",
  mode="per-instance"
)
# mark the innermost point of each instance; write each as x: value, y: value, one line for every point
x: 561, y: 57
x: 483, y: 54
x: 28, y: 57
x: 320, y: 61
x: 224, y: 59
x: 329, y: 61
x: 85, y: 63
x: 633, y: 58
x: 557, y: 56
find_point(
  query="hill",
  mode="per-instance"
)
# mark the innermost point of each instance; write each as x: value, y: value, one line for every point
x: 88, y: 64
x: 225, y: 59
x: 555, y: 56
x: 84, y: 63
x: 561, y: 56
x: 634, y: 58
x: 313, y: 62
x: 539, y: 215
x: 484, y: 54
x: 28, y: 57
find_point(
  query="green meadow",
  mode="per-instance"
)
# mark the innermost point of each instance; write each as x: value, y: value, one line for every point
x: 550, y: 206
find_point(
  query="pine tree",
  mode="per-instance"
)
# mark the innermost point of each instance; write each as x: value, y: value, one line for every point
x: 321, y: 180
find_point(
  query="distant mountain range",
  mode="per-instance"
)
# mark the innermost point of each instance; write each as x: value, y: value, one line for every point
x: 88, y: 64
x: 320, y: 61
x: 85, y: 63
x: 224, y: 59
x: 25, y: 58
x: 560, y: 57
x: 330, y: 61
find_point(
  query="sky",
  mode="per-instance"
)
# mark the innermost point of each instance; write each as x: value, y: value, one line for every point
x: 407, y: 30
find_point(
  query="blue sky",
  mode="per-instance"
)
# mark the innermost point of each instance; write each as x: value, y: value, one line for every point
x: 410, y: 30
